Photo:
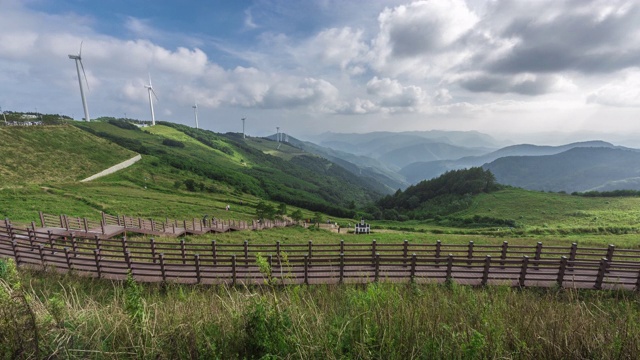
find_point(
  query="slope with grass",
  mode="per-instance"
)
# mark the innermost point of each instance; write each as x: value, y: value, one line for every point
x: 53, y: 154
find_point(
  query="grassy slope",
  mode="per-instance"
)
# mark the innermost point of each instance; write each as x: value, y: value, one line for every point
x: 53, y: 154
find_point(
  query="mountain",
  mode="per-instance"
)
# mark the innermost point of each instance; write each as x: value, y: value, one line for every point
x: 578, y: 169
x: 255, y: 166
x: 418, y: 171
x: 364, y: 167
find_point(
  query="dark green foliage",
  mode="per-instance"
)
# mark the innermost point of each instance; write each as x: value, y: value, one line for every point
x: 453, y: 191
x: 173, y: 143
x: 297, y: 215
x: 265, y: 211
x: 268, y: 330
x: 614, y: 193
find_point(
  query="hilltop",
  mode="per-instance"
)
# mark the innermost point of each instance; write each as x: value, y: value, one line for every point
x: 54, y: 154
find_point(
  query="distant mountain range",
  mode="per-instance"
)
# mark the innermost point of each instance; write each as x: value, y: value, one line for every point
x: 578, y: 169
x: 418, y: 171
x: 400, y: 159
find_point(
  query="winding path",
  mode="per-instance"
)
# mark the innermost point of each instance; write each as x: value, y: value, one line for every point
x: 114, y: 168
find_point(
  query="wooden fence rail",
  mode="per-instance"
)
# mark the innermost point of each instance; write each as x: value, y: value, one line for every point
x: 309, y: 263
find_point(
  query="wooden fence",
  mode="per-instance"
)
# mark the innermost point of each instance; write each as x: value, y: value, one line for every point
x: 309, y: 263
x: 110, y: 226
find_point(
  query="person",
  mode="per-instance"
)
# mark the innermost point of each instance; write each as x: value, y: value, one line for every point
x: 228, y: 207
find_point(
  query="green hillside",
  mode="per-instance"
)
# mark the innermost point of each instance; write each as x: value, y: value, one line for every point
x: 53, y: 154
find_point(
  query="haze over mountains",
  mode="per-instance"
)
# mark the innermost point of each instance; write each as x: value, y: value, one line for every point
x: 400, y: 159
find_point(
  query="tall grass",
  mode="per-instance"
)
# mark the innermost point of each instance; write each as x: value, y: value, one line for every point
x: 76, y: 317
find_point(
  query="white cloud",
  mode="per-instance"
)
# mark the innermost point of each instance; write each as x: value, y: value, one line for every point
x: 621, y: 92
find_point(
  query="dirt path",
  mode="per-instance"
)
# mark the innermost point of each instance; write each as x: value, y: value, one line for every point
x: 114, y: 168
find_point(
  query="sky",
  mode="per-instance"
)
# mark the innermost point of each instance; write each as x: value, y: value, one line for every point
x: 543, y: 71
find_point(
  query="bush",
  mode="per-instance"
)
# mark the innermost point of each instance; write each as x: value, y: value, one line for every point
x: 172, y: 143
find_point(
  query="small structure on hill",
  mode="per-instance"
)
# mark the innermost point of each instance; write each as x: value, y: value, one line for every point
x: 362, y: 227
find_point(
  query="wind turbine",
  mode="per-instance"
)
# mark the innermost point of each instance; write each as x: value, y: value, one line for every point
x: 150, y: 90
x: 195, y: 112
x: 243, y: 119
x: 277, y: 134
x: 78, y: 59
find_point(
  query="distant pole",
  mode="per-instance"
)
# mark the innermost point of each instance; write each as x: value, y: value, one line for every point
x: 195, y: 112
x: 243, y: 119
x: 4, y: 116
x: 277, y: 133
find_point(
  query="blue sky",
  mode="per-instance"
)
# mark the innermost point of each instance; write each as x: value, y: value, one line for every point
x: 541, y: 71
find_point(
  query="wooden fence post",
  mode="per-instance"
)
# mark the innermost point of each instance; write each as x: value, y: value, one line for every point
x: 601, y: 271
x: 66, y: 256
x: 405, y: 251
x: 96, y: 254
x: 44, y: 225
x: 449, y: 267
x: 214, y: 251
x: 341, y: 246
x: 536, y: 257
x: 373, y: 248
x: 310, y: 252
x: 610, y: 250
x: 485, y: 273
x: 572, y: 255
x: 16, y: 255
x: 233, y: 270
x: 377, y: 267
x: 523, y: 271
x: 438, y: 249
x: 503, y: 255
x: 50, y: 239
x: 98, y: 242
x: 41, y: 250
x: 470, y: 253
x: 124, y: 244
x: 162, y: 270
x: 413, y: 266
x: 127, y: 259
x: 563, y: 267
x: 196, y: 260
x: 32, y: 237
x: 342, y: 268
x: 278, y: 250
x: 183, y: 252
x: 638, y: 282
x: 74, y: 245
x: 86, y: 226
x: 153, y: 249
x: 246, y: 253
x: 306, y: 269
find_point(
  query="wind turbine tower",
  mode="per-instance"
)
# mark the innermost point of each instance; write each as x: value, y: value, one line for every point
x: 277, y: 133
x: 78, y: 59
x: 195, y: 112
x: 243, y: 119
x: 150, y: 90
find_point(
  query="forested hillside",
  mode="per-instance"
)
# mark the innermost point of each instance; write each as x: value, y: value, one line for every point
x: 450, y: 192
x: 305, y: 181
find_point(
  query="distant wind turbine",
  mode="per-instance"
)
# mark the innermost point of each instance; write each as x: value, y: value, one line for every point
x: 195, y: 112
x: 150, y: 90
x: 78, y: 59
x: 277, y: 134
x: 243, y: 119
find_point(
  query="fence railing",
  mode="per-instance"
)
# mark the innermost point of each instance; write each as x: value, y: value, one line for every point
x: 109, y: 226
x: 309, y: 263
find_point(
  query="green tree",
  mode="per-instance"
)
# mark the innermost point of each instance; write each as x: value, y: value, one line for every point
x: 297, y: 215
x: 318, y: 218
x: 265, y: 211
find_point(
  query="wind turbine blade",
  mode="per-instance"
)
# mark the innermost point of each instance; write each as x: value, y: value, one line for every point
x: 85, y: 74
x: 154, y: 93
x: 80, y: 53
x: 150, y: 80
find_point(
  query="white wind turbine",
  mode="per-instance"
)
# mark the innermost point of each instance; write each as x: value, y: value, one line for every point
x: 150, y: 90
x: 195, y: 112
x: 78, y: 59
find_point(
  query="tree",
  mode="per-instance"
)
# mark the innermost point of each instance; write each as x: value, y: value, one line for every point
x: 265, y: 211
x: 297, y: 215
x: 282, y: 209
x: 317, y: 217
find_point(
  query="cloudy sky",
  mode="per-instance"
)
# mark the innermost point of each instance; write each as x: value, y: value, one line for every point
x: 536, y: 71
